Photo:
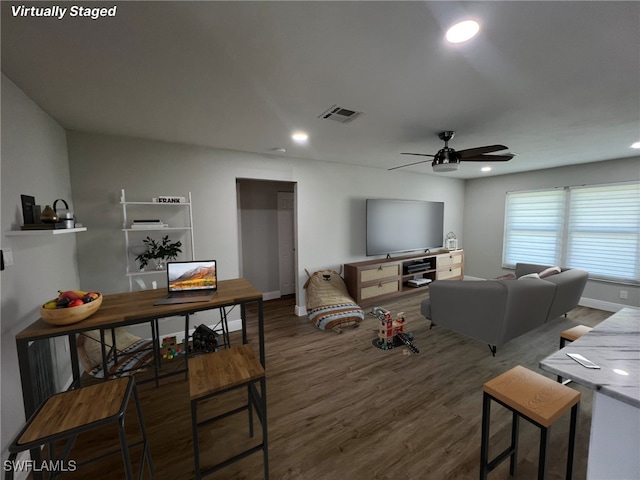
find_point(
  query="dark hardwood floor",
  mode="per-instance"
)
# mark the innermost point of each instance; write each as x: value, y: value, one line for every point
x: 339, y: 408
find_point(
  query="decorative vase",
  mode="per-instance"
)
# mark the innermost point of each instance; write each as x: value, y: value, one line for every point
x: 48, y: 215
x: 160, y: 263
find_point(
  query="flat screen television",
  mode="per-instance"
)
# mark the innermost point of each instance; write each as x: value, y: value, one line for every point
x: 395, y: 226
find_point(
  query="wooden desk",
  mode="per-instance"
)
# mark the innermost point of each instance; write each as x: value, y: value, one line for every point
x: 122, y: 309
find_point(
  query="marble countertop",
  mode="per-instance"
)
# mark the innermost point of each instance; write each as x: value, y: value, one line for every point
x: 614, y: 345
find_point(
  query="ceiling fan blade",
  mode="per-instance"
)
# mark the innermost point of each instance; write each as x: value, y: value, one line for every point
x: 419, y: 154
x: 472, y: 152
x: 488, y: 158
x: 409, y: 164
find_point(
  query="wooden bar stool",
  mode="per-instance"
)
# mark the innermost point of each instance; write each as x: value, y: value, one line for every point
x: 571, y: 335
x: 535, y: 398
x: 220, y: 372
x: 65, y: 415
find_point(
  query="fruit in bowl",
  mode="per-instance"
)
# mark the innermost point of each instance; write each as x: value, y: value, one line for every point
x: 70, y: 306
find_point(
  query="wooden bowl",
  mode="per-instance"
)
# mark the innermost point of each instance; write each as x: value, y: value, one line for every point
x: 67, y: 316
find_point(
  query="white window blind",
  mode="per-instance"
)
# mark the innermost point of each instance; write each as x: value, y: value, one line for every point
x: 533, y: 227
x: 595, y: 228
x: 604, y: 231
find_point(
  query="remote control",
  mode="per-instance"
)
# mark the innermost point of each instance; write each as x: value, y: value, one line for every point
x: 582, y: 361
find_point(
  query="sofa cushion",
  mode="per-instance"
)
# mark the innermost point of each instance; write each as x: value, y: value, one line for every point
x: 549, y: 271
x: 506, y: 276
x: 529, y: 275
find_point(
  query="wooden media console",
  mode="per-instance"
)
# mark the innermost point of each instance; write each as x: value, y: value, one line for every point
x: 375, y: 280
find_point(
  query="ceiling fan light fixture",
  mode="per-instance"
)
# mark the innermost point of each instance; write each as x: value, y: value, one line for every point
x: 445, y: 160
x: 445, y: 167
x: 462, y: 31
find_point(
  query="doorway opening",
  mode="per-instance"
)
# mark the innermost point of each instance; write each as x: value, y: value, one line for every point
x: 268, y: 235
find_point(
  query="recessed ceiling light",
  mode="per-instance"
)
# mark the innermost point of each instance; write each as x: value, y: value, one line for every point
x: 278, y: 150
x: 463, y: 31
x: 300, y: 137
x: 486, y: 169
x: 635, y: 145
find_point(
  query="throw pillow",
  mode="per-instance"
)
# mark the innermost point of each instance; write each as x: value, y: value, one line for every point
x: 529, y: 275
x: 549, y: 271
x: 508, y: 276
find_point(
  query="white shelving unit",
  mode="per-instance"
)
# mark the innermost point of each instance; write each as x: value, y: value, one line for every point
x: 43, y: 233
x: 134, y: 236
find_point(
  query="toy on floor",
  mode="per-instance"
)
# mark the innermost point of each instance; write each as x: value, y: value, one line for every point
x: 391, y: 332
x: 170, y: 348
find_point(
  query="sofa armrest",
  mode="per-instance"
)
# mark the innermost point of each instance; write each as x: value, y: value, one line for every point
x: 569, y: 287
x: 473, y: 308
x: 528, y: 303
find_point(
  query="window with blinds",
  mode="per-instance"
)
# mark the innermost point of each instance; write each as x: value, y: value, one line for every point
x: 595, y: 228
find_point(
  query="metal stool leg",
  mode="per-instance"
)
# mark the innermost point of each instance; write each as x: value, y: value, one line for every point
x: 265, y: 450
x: 515, y: 424
x: 572, y: 440
x: 194, y: 432
x: 124, y: 447
x: 484, y: 442
x: 250, y: 407
x: 542, y: 459
x: 146, y: 450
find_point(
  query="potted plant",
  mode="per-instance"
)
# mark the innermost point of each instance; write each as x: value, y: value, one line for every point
x: 159, y: 252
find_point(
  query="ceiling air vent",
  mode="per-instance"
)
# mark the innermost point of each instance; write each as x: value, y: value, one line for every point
x: 340, y: 114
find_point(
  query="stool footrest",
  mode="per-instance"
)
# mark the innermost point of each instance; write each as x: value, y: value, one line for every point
x: 222, y: 415
x: 107, y: 454
x: 500, y: 458
x: 231, y: 460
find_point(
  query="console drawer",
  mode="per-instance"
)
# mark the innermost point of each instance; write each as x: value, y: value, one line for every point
x: 379, y: 273
x: 450, y: 259
x: 451, y: 273
x: 380, y: 289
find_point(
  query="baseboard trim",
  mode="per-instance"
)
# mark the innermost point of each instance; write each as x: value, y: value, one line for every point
x: 602, y: 305
x: 271, y: 295
x: 301, y: 311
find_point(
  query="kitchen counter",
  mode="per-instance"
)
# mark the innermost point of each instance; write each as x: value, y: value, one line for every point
x: 614, y: 345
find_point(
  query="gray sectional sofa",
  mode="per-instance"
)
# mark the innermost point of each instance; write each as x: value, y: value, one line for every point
x: 497, y: 311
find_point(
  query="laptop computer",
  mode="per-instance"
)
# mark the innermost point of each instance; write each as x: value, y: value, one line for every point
x: 190, y: 282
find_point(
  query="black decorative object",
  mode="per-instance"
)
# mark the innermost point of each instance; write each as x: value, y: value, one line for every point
x: 28, y: 209
x: 205, y: 340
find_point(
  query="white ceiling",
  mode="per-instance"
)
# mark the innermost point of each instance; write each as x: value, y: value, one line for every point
x: 557, y: 82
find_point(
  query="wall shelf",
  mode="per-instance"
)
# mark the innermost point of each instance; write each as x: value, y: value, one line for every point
x: 183, y: 228
x: 43, y: 233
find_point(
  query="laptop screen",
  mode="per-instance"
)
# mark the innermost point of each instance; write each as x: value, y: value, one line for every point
x: 199, y: 275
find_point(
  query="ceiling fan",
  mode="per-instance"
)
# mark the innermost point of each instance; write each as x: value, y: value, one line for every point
x: 448, y: 160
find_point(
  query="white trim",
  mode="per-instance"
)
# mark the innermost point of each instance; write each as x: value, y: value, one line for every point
x: 602, y: 305
x: 301, y: 311
x: 271, y: 295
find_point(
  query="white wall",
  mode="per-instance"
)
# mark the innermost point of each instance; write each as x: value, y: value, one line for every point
x: 484, y: 219
x: 330, y: 201
x: 34, y: 162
